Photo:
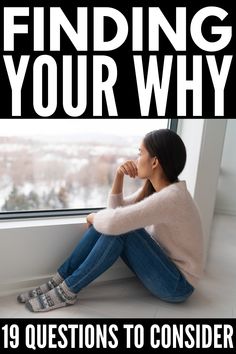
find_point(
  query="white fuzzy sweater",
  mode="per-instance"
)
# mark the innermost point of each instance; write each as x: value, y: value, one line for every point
x: 170, y: 216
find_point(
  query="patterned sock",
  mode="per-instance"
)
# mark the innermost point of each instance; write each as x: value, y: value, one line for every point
x: 55, y: 298
x: 52, y: 283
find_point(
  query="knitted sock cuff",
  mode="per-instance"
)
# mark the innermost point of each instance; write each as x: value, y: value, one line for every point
x: 57, y: 278
x: 67, y: 292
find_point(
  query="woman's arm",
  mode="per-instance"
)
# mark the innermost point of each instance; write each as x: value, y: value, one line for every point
x: 117, y: 221
x: 129, y: 168
x: 115, y: 199
x: 117, y: 186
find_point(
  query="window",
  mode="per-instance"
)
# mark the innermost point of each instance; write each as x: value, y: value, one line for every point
x: 65, y: 164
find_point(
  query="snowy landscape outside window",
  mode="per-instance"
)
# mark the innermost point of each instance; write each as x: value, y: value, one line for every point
x: 66, y: 164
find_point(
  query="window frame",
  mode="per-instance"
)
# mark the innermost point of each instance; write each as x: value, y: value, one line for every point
x: 172, y: 125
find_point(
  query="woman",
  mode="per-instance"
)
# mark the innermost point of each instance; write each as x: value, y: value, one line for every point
x: 157, y: 232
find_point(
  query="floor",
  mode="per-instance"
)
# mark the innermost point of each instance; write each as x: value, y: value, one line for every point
x: 214, y: 298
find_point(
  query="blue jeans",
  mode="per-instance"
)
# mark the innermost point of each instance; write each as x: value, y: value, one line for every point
x: 96, y: 252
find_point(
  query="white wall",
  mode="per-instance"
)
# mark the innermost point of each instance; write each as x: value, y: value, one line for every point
x: 204, y: 140
x: 226, y: 192
x: 191, y: 131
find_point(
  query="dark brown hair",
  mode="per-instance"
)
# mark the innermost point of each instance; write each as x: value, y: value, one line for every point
x: 170, y: 151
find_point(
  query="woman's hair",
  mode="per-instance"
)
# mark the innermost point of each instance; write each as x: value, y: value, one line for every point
x: 170, y: 151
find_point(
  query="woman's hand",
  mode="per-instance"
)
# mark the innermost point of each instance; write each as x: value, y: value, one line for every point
x: 89, y: 219
x: 128, y: 168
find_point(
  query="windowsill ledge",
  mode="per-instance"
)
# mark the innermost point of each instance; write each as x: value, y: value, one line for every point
x: 62, y: 220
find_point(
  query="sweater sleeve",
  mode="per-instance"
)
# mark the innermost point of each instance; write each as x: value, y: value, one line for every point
x: 139, y: 215
x: 116, y: 200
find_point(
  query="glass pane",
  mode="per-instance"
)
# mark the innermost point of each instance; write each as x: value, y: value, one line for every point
x: 65, y: 163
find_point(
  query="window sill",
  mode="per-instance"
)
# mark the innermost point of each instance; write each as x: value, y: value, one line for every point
x: 65, y: 220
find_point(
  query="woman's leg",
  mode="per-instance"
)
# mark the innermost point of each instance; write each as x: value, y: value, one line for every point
x: 140, y: 252
x: 77, y: 257
x: 103, y: 254
x: 144, y: 256
x: 80, y: 252
x: 153, y: 267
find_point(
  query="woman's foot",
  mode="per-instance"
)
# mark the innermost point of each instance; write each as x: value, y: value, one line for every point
x: 44, y: 288
x: 60, y: 296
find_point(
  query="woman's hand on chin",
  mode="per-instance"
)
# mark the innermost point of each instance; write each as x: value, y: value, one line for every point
x: 128, y: 168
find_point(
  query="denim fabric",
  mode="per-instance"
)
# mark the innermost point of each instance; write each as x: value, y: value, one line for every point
x: 96, y: 252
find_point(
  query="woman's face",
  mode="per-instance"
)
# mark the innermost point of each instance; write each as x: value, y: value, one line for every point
x: 144, y: 163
